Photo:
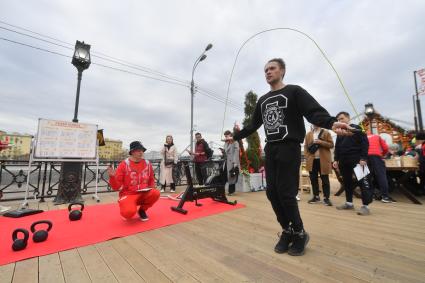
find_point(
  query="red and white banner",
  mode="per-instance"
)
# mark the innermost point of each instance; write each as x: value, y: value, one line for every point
x: 421, y: 81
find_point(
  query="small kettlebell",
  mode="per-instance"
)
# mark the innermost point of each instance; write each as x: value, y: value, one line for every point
x: 75, y: 214
x: 41, y: 235
x: 20, y: 244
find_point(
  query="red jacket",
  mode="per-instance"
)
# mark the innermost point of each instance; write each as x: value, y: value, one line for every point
x: 377, y: 145
x: 132, y: 176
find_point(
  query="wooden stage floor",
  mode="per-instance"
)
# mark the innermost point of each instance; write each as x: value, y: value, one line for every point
x: 237, y: 246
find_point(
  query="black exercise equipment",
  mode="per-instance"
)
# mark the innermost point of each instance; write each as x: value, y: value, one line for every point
x: 41, y: 235
x: 20, y: 244
x: 75, y: 214
x: 22, y: 212
x: 214, y: 189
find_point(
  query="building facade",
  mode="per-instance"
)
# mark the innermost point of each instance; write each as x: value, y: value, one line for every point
x: 20, y: 146
x: 112, y: 150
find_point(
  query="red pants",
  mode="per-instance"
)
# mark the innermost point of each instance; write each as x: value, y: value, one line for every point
x: 129, y: 203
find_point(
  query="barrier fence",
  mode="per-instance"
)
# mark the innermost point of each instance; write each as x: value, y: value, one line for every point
x: 44, y: 177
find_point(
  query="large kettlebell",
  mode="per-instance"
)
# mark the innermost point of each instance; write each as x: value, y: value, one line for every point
x: 41, y: 235
x: 75, y: 214
x: 20, y: 244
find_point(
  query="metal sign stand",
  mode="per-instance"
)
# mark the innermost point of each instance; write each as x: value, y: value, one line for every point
x: 95, y: 196
x: 33, y: 158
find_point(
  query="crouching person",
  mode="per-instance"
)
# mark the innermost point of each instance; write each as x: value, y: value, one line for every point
x: 134, y: 178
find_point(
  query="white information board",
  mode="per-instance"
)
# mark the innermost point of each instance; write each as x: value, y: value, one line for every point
x: 62, y: 139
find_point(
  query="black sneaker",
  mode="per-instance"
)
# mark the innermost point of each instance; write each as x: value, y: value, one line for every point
x: 300, y: 240
x: 315, y: 199
x: 143, y: 215
x: 386, y: 200
x: 285, y: 240
x: 327, y: 202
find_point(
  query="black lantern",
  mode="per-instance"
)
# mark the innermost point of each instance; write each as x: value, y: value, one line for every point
x: 81, y: 59
x: 369, y: 110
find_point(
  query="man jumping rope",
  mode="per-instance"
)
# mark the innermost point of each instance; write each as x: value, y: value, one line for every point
x: 281, y: 111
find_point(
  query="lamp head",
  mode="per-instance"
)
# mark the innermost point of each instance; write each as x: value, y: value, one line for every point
x: 202, y: 57
x: 369, y: 110
x: 209, y: 46
x: 81, y: 59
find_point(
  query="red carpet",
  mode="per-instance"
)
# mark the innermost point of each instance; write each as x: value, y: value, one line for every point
x: 99, y: 223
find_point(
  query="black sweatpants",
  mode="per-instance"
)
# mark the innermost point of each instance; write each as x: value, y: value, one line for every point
x: 346, y: 168
x: 283, y: 162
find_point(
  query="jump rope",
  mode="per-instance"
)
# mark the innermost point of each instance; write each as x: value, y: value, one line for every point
x: 321, y: 51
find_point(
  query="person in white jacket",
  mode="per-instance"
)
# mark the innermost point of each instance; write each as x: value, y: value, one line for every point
x: 169, y: 160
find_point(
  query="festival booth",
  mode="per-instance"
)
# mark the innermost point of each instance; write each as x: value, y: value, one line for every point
x: 401, y: 170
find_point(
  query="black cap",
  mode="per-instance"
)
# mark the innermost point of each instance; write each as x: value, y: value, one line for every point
x: 136, y: 145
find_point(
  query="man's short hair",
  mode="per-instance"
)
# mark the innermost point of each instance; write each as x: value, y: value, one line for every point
x: 343, y: 113
x: 279, y: 61
x: 281, y: 64
x: 228, y: 133
x: 198, y: 134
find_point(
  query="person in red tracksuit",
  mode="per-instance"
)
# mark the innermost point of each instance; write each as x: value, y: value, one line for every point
x: 135, y: 177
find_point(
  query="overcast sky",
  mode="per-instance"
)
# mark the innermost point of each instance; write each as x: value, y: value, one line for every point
x: 374, y: 45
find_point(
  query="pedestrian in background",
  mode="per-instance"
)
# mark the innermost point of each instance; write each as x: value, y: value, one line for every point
x: 231, y: 162
x: 168, y: 162
x: 317, y: 151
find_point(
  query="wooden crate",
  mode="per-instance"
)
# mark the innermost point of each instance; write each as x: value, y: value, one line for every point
x: 393, y: 162
x: 407, y: 161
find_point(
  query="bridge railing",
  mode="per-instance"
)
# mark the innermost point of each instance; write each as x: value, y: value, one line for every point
x: 44, y: 177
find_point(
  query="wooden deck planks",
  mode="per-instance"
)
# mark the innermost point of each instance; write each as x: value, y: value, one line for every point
x: 73, y: 267
x: 237, y: 246
x: 26, y: 271
x: 50, y: 269
x: 96, y: 267
x: 6, y: 272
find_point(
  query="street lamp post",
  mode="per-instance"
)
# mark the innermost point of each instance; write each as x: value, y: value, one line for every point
x: 81, y: 60
x: 418, y: 104
x: 415, y: 118
x: 69, y: 189
x: 192, y: 91
x: 369, y: 111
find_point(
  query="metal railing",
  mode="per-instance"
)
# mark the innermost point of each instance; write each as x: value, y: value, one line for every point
x: 44, y: 177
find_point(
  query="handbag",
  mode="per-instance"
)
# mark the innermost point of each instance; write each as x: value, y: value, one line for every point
x: 234, y: 172
x: 312, y: 148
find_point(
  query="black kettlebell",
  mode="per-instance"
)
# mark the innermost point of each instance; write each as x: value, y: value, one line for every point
x: 75, y: 214
x: 20, y: 244
x: 41, y: 235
